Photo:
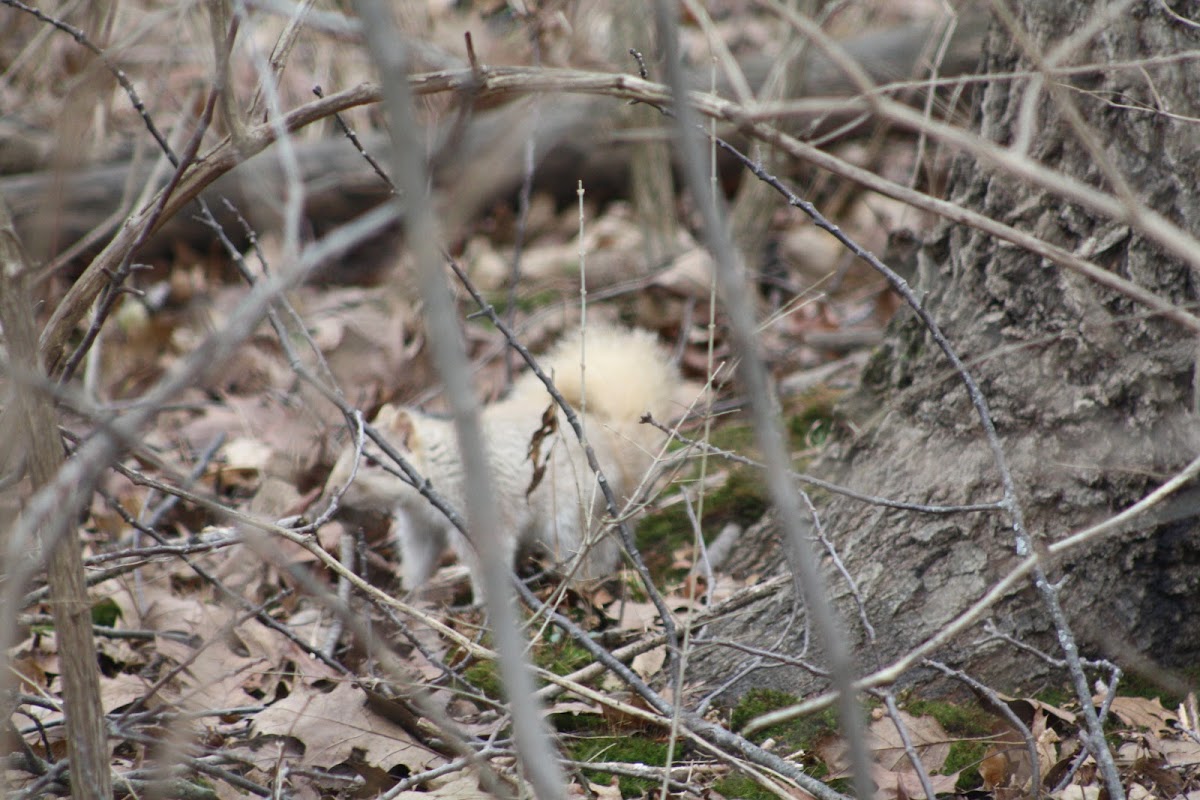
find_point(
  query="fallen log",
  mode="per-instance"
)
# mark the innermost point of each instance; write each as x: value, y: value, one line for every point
x: 577, y: 138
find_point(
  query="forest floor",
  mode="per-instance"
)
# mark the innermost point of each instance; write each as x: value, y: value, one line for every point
x: 223, y: 669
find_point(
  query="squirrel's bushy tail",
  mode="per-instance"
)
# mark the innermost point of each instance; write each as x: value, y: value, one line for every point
x: 624, y: 372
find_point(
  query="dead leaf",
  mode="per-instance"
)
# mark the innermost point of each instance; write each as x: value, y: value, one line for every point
x: 1007, y: 761
x: 1153, y: 773
x: 120, y: 690
x: 637, y: 616
x: 246, y: 453
x: 996, y: 767
x: 928, y: 738
x: 1139, y: 792
x: 650, y: 663
x: 620, y: 721
x: 1046, y: 740
x: 224, y: 666
x: 31, y: 667
x: 1180, y: 752
x: 548, y: 428
x: 599, y: 791
x: 335, y: 726
x: 457, y: 786
x: 892, y: 771
x: 1025, y: 707
x: 1187, y: 713
x: 1140, y: 712
x: 488, y: 269
x: 574, y: 707
x: 903, y: 785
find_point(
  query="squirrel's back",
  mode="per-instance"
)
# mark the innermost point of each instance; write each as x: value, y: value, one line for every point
x: 624, y: 372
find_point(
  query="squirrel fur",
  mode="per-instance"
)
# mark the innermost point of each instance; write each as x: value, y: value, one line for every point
x: 546, y: 495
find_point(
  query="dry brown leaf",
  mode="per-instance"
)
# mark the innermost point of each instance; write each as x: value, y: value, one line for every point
x: 637, y: 616
x: 334, y: 727
x: 457, y: 786
x: 690, y: 275
x: 277, y: 498
x: 216, y: 678
x: 649, y: 664
x: 547, y: 265
x: 928, y: 737
x: 1025, y: 707
x: 225, y: 667
x: 1007, y: 765
x: 601, y: 792
x: 1145, y: 767
x: 488, y: 269
x: 31, y: 667
x: 1179, y: 752
x: 574, y: 707
x: 1140, y: 712
x: 892, y: 770
x: 906, y: 784
x: 120, y: 690
x: 1138, y: 792
x: 997, y: 766
x: 926, y: 734
x: 364, y: 335
x: 1046, y: 739
x: 1187, y: 713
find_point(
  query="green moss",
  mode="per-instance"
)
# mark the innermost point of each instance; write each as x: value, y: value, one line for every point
x: 801, y: 736
x: 964, y: 758
x: 743, y: 499
x: 736, y: 438
x: 485, y: 677
x: 105, y: 612
x: 659, y: 535
x: 959, y: 719
x: 757, y: 702
x: 738, y: 785
x: 580, y: 723
x: 797, y: 734
x: 526, y: 302
x: 1134, y: 685
x: 626, y: 749
x: 811, y: 417
x: 561, y: 655
x: 558, y: 654
x: 535, y: 301
x: 1058, y: 696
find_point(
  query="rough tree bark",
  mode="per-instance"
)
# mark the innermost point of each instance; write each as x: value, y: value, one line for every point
x: 29, y: 428
x: 1094, y: 398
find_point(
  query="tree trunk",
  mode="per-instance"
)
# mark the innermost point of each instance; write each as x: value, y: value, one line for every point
x: 1093, y: 397
x: 28, y: 422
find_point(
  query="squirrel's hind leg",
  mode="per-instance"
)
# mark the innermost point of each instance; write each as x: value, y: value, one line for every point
x: 468, y: 555
x: 421, y: 548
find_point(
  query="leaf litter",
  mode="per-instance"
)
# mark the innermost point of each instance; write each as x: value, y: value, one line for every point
x: 218, y: 681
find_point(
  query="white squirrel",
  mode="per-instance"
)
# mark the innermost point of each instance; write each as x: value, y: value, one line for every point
x: 546, y: 495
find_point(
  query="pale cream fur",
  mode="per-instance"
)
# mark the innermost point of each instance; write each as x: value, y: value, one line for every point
x: 564, y: 514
